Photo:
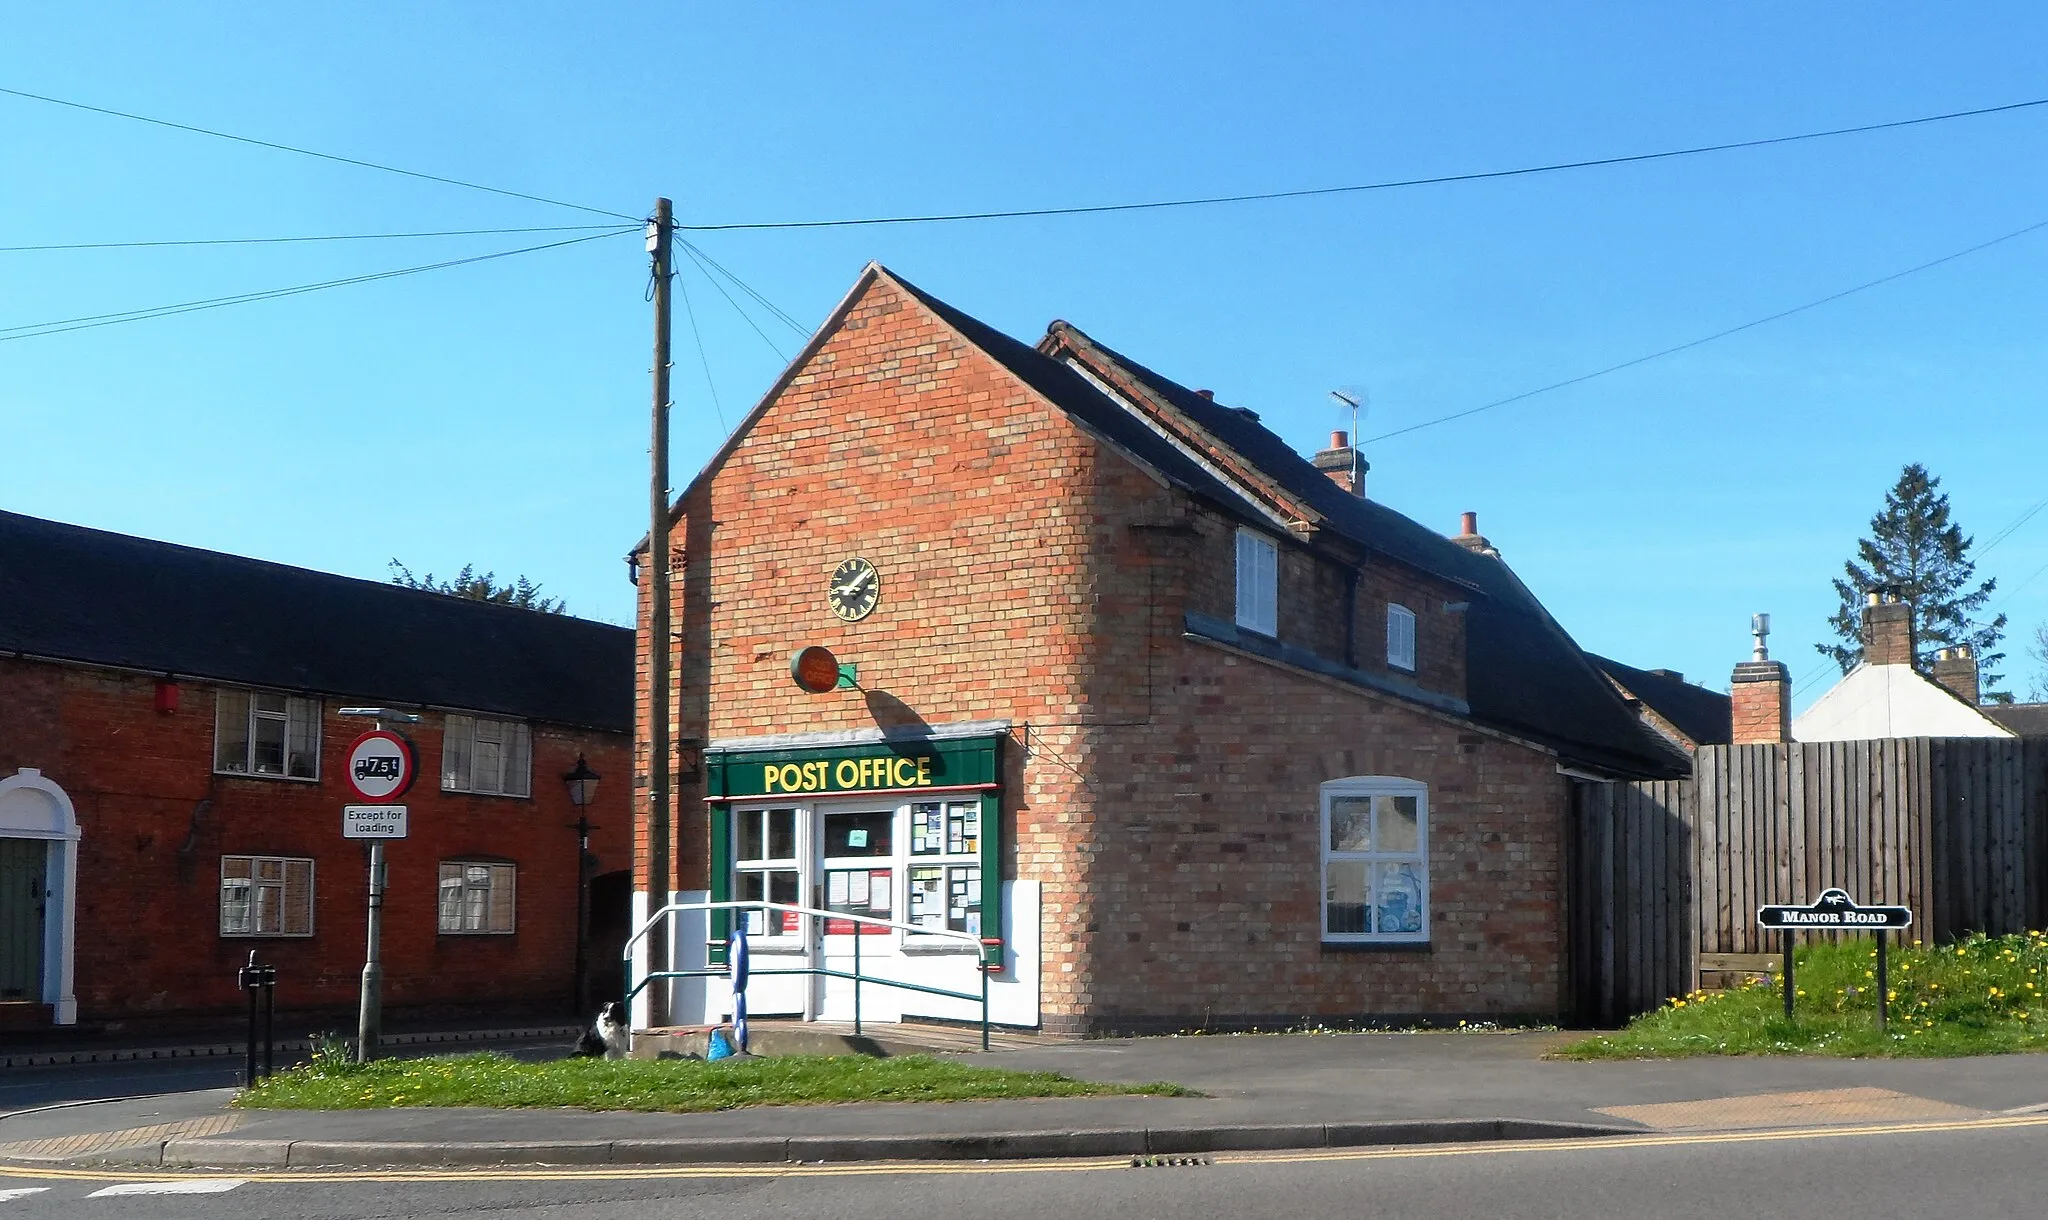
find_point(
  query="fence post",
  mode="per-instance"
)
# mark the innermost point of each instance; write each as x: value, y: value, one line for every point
x: 1785, y: 943
x: 856, y: 979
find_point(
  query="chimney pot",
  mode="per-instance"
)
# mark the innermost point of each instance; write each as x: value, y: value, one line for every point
x: 1340, y: 440
x: 1870, y: 599
x: 1468, y: 524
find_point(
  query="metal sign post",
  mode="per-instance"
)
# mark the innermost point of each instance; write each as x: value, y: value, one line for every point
x: 1835, y: 911
x: 381, y: 766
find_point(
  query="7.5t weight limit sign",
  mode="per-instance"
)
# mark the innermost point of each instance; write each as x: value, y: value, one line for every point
x: 381, y: 766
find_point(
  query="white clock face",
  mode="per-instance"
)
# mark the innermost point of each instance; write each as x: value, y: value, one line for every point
x: 854, y: 590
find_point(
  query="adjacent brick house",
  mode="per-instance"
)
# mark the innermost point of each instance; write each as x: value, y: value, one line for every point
x: 171, y: 788
x: 1227, y: 741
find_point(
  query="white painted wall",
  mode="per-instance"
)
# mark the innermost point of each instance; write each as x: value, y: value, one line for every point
x: 1879, y: 701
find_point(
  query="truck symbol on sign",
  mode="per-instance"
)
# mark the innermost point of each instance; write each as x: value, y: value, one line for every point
x: 379, y: 766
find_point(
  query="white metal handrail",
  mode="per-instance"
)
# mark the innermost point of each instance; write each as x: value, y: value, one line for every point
x: 979, y: 944
x: 676, y: 908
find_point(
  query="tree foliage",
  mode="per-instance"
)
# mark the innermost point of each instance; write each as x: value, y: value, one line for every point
x: 1917, y: 552
x: 481, y: 587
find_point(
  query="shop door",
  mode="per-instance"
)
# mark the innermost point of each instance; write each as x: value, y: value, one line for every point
x: 857, y: 874
x: 21, y: 920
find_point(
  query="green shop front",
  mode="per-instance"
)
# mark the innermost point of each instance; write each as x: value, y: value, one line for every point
x: 899, y: 839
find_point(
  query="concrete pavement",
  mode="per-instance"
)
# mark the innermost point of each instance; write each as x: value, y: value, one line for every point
x: 1263, y: 1092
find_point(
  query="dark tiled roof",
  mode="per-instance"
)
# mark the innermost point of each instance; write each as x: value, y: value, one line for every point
x: 2025, y: 719
x: 75, y: 594
x: 1525, y: 675
x: 1703, y: 715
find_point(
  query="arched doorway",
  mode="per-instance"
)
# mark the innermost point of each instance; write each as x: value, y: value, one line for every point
x: 38, y: 894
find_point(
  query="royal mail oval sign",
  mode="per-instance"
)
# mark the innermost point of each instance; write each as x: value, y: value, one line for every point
x: 381, y: 766
x: 1833, y: 909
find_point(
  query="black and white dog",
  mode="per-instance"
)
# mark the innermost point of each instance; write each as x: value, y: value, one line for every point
x: 606, y: 1036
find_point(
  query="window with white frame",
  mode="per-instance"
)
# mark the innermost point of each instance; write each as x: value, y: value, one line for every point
x: 266, y: 896
x: 477, y: 897
x: 766, y: 868
x: 1375, y: 860
x: 259, y: 733
x: 494, y: 757
x: 1258, y: 583
x: 1400, y: 637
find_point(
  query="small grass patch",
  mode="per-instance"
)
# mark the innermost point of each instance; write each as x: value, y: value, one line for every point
x: 676, y: 1085
x: 1981, y: 996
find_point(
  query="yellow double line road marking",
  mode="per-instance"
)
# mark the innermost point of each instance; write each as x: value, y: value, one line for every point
x: 645, y: 1173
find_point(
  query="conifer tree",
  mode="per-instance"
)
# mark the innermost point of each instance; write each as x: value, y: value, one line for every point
x: 1916, y: 552
x: 484, y: 587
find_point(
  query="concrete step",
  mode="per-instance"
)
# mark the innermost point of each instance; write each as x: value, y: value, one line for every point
x: 882, y: 1039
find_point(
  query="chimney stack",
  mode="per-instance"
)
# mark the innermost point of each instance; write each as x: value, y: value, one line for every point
x: 1342, y: 463
x: 1956, y: 668
x: 1469, y: 537
x: 1887, y: 629
x: 1761, y: 693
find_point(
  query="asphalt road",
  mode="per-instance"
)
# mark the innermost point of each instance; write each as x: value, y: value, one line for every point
x: 1984, y: 1172
x: 24, y: 1088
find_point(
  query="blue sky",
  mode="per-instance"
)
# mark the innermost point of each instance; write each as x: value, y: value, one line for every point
x: 496, y: 413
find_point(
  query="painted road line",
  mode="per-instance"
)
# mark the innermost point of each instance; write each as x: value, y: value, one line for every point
x: 185, y: 1186
x: 541, y: 1173
x: 21, y: 1192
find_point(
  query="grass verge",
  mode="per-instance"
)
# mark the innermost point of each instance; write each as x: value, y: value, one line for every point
x: 675, y: 1085
x: 1981, y: 996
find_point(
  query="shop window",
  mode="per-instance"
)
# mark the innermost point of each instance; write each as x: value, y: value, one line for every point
x: 477, y: 897
x: 493, y: 757
x: 260, y: 733
x: 945, y: 866
x: 766, y: 869
x: 266, y: 896
x: 1258, y: 583
x: 1375, y: 860
x: 1400, y: 637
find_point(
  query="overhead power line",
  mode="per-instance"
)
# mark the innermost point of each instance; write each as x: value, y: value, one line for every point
x: 1359, y: 188
x: 275, y: 241
x: 59, y: 326
x: 1688, y: 345
x: 307, y: 152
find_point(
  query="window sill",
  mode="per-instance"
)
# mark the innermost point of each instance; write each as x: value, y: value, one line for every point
x: 448, y: 932
x: 1377, y: 946
x: 510, y: 796
x: 917, y: 946
x: 263, y: 775
x: 266, y: 936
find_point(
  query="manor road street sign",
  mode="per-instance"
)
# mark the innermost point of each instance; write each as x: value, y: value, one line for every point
x: 373, y: 821
x: 1834, y: 909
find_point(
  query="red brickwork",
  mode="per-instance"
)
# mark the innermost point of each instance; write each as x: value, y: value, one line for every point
x: 1761, y: 703
x: 1168, y: 795
x: 156, y: 821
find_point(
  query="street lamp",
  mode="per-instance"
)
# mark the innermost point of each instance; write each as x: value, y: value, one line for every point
x: 582, y: 786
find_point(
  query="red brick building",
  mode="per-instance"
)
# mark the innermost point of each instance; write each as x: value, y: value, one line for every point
x: 1199, y: 731
x: 171, y: 785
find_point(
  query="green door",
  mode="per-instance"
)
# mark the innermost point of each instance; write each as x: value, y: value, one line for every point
x: 21, y: 919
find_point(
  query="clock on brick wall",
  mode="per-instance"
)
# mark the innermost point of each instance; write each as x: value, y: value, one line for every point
x: 854, y: 589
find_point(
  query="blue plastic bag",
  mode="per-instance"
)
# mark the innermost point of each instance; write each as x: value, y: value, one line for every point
x: 717, y: 1047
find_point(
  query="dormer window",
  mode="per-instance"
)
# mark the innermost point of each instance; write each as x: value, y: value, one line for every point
x: 1400, y: 637
x: 1258, y: 583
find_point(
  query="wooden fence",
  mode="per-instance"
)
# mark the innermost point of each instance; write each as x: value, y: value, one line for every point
x: 1664, y: 872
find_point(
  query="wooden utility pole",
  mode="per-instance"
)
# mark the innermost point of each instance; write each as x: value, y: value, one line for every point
x: 660, y: 233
